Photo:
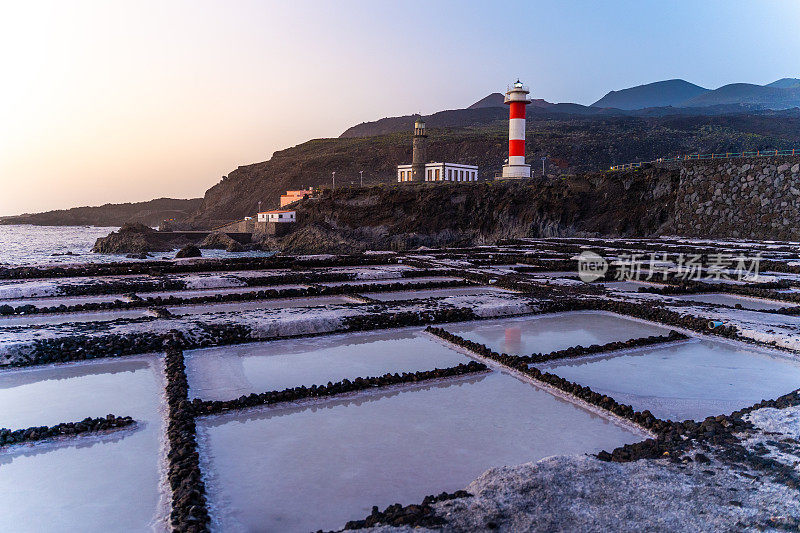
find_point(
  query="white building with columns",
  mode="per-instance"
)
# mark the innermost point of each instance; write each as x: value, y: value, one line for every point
x: 441, y: 172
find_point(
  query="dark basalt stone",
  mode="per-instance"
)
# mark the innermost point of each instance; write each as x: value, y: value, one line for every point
x: 188, y: 251
x: 189, y: 510
x: 87, y: 425
x: 421, y: 515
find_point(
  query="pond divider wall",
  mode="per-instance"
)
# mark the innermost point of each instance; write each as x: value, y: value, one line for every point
x: 189, y: 508
x: 65, y: 429
x: 345, y: 386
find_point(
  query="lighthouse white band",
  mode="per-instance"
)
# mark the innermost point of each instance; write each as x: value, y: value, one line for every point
x: 516, y: 160
x: 516, y: 129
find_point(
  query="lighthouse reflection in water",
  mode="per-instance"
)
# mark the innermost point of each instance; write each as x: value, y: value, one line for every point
x: 513, y: 340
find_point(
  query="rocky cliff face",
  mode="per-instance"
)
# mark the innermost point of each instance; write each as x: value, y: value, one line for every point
x: 412, y: 215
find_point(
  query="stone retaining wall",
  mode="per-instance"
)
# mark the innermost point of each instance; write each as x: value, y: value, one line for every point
x: 755, y: 198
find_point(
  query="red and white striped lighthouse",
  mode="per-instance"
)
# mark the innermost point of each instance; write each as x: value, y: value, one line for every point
x: 516, y: 99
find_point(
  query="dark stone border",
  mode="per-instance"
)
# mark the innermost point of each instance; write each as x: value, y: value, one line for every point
x: 69, y: 429
x: 345, y: 386
x: 397, y: 515
x: 189, y: 509
x: 580, y: 351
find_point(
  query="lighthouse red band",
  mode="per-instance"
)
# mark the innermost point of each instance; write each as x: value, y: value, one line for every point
x: 516, y: 133
x: 517, y: 99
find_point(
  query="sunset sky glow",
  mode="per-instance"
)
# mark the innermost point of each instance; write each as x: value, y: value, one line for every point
x: 110, y: 101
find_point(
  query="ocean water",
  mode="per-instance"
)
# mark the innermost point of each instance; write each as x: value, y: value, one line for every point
x: 26, y: 244
x: 30, y: 245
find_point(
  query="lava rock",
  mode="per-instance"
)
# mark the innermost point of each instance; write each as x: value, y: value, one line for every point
x: 188, y: 251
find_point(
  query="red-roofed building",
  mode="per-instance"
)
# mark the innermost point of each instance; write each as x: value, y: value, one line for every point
x: 293, y: 196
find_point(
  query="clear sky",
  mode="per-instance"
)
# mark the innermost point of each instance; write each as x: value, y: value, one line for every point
x: 113, y: 101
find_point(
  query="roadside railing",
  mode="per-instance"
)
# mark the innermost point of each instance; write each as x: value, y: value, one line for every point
x: 691, y: 157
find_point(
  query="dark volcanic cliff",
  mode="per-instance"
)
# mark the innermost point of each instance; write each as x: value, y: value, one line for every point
x: 401, y: 217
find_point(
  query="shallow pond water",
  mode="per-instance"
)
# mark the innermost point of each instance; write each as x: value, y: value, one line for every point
x: 55, y: 301
x: 434, y: 293
x: 63, y: 318
x: 226, y: 372
x: 196, y: 293
x: 546, y: 333
x: 277, y: 303
x: 404, y: 281
x: 687, y: 380
x: 755, y: 304
x: 626, y: 286
x: 89, y: 483
x: 302, y: 468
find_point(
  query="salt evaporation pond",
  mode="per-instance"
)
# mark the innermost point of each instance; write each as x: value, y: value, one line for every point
x: 687, y: 380
x: 626, y: 286
x: 56, y: 301
x: 404, y: 281
x: 302, y: 468
x: 89, y: 483
x: 198, y: 293
x: 547, y: 333
x: 277, y: 303
x: 434, y: 293
x: 227, y: 372
x: 64, y: 318
x: 754, y: 304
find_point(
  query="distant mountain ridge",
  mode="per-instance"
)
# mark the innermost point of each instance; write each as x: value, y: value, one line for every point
x: 493, y: 100
x: 785, y: 83
x: 780, y: 94
x: 490, y: 109
x: 760, y: 96
x: 150, y: 213
x: 658, y: 94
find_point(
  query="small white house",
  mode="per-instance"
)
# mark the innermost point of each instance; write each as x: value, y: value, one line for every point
x: 441, y: 172
x: 276, y: 216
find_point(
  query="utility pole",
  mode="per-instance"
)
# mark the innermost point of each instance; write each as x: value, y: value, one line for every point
x: 259, y: 206
x: 361, y: 173
x: 543, y: 160
x: 333, y: 174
